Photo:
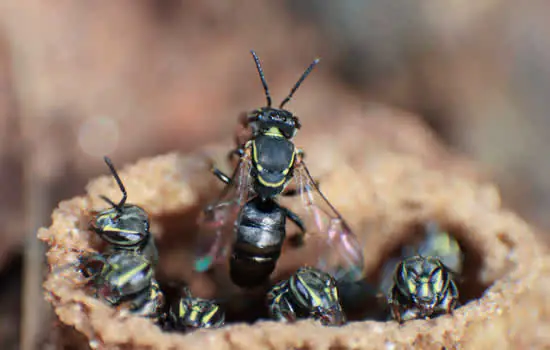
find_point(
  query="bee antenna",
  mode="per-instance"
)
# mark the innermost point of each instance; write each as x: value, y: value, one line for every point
x: 300, y: 81
x: 120, y: 185
x: 262, y: 77
x: 111, y: 203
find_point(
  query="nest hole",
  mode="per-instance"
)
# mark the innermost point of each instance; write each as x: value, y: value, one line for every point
x: 468, y: 282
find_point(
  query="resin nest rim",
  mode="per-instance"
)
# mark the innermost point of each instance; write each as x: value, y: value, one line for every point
x: 379, y: 195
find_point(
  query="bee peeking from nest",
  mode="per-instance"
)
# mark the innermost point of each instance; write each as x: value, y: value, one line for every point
x: 422, y: 283
x: 246, y: 227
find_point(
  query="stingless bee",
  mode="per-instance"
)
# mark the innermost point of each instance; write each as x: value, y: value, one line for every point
x: 423, y: 288
x: 309, y: 293
x: 423, y: 282
x: 125, y: 226
x: 126, y: 280
x: 191, y: 313
x: 268, y: 162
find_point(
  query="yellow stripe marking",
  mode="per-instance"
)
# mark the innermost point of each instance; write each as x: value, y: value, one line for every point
x: 128, y: 275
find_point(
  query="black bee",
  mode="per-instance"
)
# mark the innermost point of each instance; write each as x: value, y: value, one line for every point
x: 268, y: 161
x: 191, y: 313
x: 126, y: 280
x: 422, y: 284
x: 423, y: 288
x: 309, y: 293
x: 125, y: 226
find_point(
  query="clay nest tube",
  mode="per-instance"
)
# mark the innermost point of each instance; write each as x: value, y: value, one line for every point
x: 384, y: 196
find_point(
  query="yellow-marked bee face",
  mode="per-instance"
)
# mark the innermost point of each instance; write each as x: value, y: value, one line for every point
x: 123, y: 225
x: 127, y: 226
x: 424, y: 280
x: 316, y: 291
x: 267, y: 119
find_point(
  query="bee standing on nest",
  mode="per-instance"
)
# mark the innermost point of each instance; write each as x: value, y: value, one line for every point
x: 191, y: 313
x: 126, y: 280
x: 309, y: 293
x: 268, y: 162
x: 423, y: 282
x: 125, y: 226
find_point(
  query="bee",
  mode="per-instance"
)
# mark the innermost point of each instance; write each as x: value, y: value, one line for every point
x: 191, y: 313
x: 309, y: 293
x: 125, y: 226
x: 268, y: 162
x: 126, y: 280
x: 260, y: 233
x: 423, y: 288
x: 422, y: 283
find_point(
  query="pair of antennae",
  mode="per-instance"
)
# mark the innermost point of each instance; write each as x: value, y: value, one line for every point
x: 296, y: 86
x: 118, y: 206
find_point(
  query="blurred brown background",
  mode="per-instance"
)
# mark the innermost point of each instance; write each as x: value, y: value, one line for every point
x: 80, y: 79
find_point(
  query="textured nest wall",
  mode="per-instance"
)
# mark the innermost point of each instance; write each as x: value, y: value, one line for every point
x: 383, y: 195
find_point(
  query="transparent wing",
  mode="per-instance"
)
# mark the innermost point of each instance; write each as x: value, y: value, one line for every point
x: 340, y: 252
x: 217, y: 220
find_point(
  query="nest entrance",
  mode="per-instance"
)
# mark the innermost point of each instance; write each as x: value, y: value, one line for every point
x: 469, y: 283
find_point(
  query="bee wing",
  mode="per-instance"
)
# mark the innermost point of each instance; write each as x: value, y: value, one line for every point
x: 217, y: 220
x: 340, y: 253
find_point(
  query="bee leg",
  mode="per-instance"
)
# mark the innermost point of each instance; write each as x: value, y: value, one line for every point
x: 295, y: 219
x: 221, y: 175
x: 397, y: 313
x: 282, y: 310
x: 297, y: 240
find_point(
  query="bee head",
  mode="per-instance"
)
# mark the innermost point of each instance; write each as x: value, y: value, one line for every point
x: 279, y: 118
x: 424, y: 280
x: 122, y: 225
x: 275, y: 122
x: 124, y: 230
